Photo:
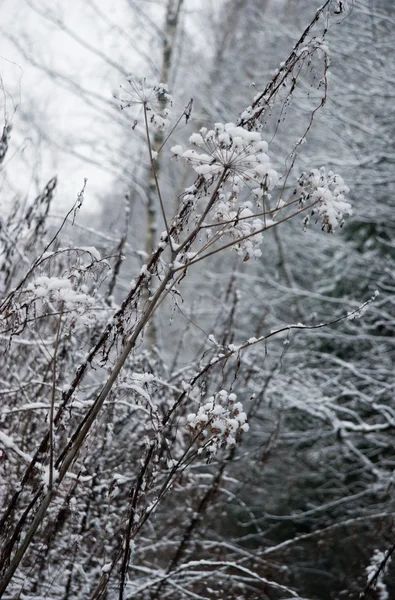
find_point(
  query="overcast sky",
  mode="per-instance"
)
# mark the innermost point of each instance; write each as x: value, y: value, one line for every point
x: 49, y: 117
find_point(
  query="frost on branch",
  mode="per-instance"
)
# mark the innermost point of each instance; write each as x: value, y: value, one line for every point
x: 241, y: 158
x: 155, y: 100
x: 219, y: 422
x: 328, y: 191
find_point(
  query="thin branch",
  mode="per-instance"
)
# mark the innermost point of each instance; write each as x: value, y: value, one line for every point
x: 154, y: 172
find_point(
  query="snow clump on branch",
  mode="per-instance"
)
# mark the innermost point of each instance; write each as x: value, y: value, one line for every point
x: 60, y: 289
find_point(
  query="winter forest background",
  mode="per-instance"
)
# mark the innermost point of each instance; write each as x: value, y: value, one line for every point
x: 197, y: 277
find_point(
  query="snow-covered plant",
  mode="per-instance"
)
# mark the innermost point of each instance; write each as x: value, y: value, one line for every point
x: 155, y: 101
x: 235, y: 150
x: 59, y: 289
x: 327, y: 191
x: 70, y: 290
x: 241, y: 157
x: 375, y: 573
x: 219, y: 422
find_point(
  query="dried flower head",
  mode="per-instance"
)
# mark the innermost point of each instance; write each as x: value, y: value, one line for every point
x: 242, y: 156
x: 219, y: 421
x: 328, y: 191
x: 242, y: 153
x: 155, y: 101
